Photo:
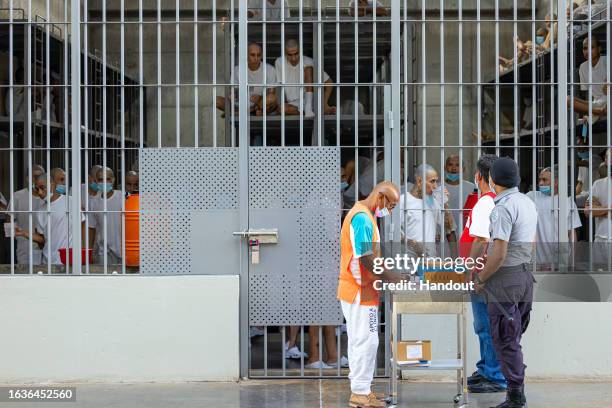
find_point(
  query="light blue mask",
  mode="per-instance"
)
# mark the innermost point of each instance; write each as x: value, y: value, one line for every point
x: 585, y: 131
x: 105, y: 187
x: 584, y: 155
x: 539, y: 40
x: 452, y: 176
x: 544, y: 189
x: 93, y: 186
x: 382, y: 212
x: 344, y: 185
x: 60, y: 189
x: 430, y: 201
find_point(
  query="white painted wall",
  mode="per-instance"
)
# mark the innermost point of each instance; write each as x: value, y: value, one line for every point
x: 119, y: 328
x: 563, y: 341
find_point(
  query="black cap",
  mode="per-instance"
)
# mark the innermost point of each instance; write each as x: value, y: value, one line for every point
x: 505, y: 172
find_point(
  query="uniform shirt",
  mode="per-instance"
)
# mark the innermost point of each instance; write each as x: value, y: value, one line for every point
x: 292, y: 76
x: 548, y: 224
x: 456, y: 199
x: 514, y: 220
x: 361, y: 233
x: 113, y: 223
x: 599, y: 77
x: 273, y: 9
x: 55, y: 227
x: 86, y: 196
x: 420, y: 221
x: 22, y: 220
x: 257, y: 77
x: 603, y: 225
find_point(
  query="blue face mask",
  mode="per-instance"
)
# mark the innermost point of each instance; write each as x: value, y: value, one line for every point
x: 430, y: 201
x: 544, y: 189
x: 584, y: 155
x: 539, y: 40
x: 452, y: 176
x: 60, y: 189
x: 93, y: 186
x: 344, y: 185
x: 105, y: 187
x: 585, y: 131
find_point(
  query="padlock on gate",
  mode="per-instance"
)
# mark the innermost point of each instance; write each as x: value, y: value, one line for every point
x: 254, y: 246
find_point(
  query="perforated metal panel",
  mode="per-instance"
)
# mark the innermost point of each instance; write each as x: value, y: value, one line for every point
x: 176, y: 187
x: 295, y: 189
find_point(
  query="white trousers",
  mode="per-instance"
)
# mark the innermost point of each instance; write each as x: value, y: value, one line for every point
x: 362, y: 332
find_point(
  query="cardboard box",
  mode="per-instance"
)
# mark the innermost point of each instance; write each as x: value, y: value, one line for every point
x: 414, y: 350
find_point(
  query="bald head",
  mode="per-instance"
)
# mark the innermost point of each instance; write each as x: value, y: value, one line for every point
x: 384, y: 195
x: 254, y: 56
x: 131, y: 182
x: 292, y: 52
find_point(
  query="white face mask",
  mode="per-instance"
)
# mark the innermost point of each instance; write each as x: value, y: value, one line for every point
x: 381, y: 213
x: 491, y: 187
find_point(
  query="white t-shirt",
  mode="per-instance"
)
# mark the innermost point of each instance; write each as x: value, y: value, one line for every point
x: 292, y: 76
x: 22, y: 220
x: 86, y: 196
x: 479, y: 222
x: 19, y: 102
x: 599, y: 77
x: 113, y: 223
x: 55, y: 227
x: 257, y: 77
x: 273, y: 9
x: 603, y: 225
x: 548, y: 212
x: 420, y: 222
x: 548, y: 224
x: 456, y: 201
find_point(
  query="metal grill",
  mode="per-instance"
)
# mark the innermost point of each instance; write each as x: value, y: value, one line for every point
x: 163, y: 89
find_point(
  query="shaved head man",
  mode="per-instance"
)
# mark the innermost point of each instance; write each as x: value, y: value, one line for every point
x: 131, y: 182
x: 359, y: 248
x: 288, y: 72
x: 256, y: 83
x: 105, y: 235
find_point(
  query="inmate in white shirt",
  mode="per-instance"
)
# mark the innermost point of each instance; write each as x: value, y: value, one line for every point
x: 273, y: 9
x: 420, y: 221
x: 599, y: 77
x: 602, y: 188
x: 293, y: 76
x: 55, y: 226
x: 22, y: 220
x: 113, y: 223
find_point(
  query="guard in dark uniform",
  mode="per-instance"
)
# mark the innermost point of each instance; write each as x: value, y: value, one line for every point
x: 506, y: 280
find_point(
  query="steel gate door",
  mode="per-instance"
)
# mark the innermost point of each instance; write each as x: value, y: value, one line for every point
x: 294, y: 190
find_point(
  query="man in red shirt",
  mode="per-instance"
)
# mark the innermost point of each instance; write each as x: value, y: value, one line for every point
x: 473, y: 243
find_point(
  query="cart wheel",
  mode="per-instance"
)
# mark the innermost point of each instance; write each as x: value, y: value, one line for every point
x: 457, y: 399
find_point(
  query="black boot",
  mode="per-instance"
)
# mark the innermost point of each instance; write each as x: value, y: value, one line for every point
x: 514, y: 399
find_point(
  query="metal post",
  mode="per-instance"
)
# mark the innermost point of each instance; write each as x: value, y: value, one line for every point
x: 75, y: 87
x: 243, y: 183
x: 562, y: 118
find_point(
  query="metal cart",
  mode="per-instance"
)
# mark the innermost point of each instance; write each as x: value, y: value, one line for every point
x: 439, y: 303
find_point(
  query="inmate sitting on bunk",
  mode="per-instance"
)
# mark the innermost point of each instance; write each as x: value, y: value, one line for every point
x: 256, y: 76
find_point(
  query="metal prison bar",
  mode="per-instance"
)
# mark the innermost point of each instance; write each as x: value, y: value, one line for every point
x: 411, y: 81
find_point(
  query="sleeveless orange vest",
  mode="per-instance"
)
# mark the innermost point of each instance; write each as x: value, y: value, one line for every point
x: 348, y: 288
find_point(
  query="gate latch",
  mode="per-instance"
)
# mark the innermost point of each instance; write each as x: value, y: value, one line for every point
x: 263, y: 236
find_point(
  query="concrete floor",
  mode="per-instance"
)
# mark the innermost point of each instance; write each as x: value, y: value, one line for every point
x: 312, y: 393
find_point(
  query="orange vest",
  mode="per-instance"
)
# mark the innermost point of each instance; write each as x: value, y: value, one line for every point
x: 347, y: 285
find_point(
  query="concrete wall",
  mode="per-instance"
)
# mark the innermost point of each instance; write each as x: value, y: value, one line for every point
x: 564, y: 341
x: 118, y: 328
